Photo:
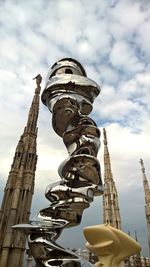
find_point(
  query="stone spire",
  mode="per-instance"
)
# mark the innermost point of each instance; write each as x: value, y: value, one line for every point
x: 147, y: 200
x: 111, y: 213
x: 19, y: 189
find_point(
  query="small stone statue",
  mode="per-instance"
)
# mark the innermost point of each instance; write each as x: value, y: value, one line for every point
x: 38, y: 79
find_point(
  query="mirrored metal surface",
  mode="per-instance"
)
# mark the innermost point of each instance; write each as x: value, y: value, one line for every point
x: 69, y: 95
x: 61, y: 191
x: 66, y: 63
x: 84, y: 168
x: 49, y: 253
x: 85, y: 104
x: 83, y: 139
x: 72, y: 84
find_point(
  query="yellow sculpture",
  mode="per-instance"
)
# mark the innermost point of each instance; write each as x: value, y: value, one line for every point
x: 109, y: 244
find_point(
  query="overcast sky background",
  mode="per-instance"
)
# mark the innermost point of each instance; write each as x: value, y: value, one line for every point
x: 111, y: 39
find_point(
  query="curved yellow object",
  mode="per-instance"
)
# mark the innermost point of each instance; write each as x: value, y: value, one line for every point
x: 110, y: 244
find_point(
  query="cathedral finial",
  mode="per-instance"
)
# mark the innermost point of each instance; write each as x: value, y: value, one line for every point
x: 105, y: 136
x: 142, y: 165
x: 38, y: 79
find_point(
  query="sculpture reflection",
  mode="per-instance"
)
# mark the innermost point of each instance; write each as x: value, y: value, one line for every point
x: 69, y: 95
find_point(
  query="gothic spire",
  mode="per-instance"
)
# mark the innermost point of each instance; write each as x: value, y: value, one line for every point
x: 111, y: 213
x: 19, y: 190
x: 147, y: 200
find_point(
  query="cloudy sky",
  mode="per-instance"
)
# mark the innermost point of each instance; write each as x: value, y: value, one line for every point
x: 111, y: 40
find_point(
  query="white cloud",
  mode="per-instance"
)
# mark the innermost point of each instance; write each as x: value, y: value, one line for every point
x: 129, y: 16
x: 123, y: 57
x: 143, y: 38
x: 114, y: 105
x: 110, y: 75
x: 137, y: 89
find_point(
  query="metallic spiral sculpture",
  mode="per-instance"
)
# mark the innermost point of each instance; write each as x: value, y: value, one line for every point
x: 69, y: 95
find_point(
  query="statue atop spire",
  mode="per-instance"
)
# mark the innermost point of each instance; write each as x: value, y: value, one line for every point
x: 38, y: 79
x: 142, y: 165
x: 105, y: 136
x: 31, y: 126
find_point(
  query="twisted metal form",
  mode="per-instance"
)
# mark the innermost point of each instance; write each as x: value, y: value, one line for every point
x: 69, y: 95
